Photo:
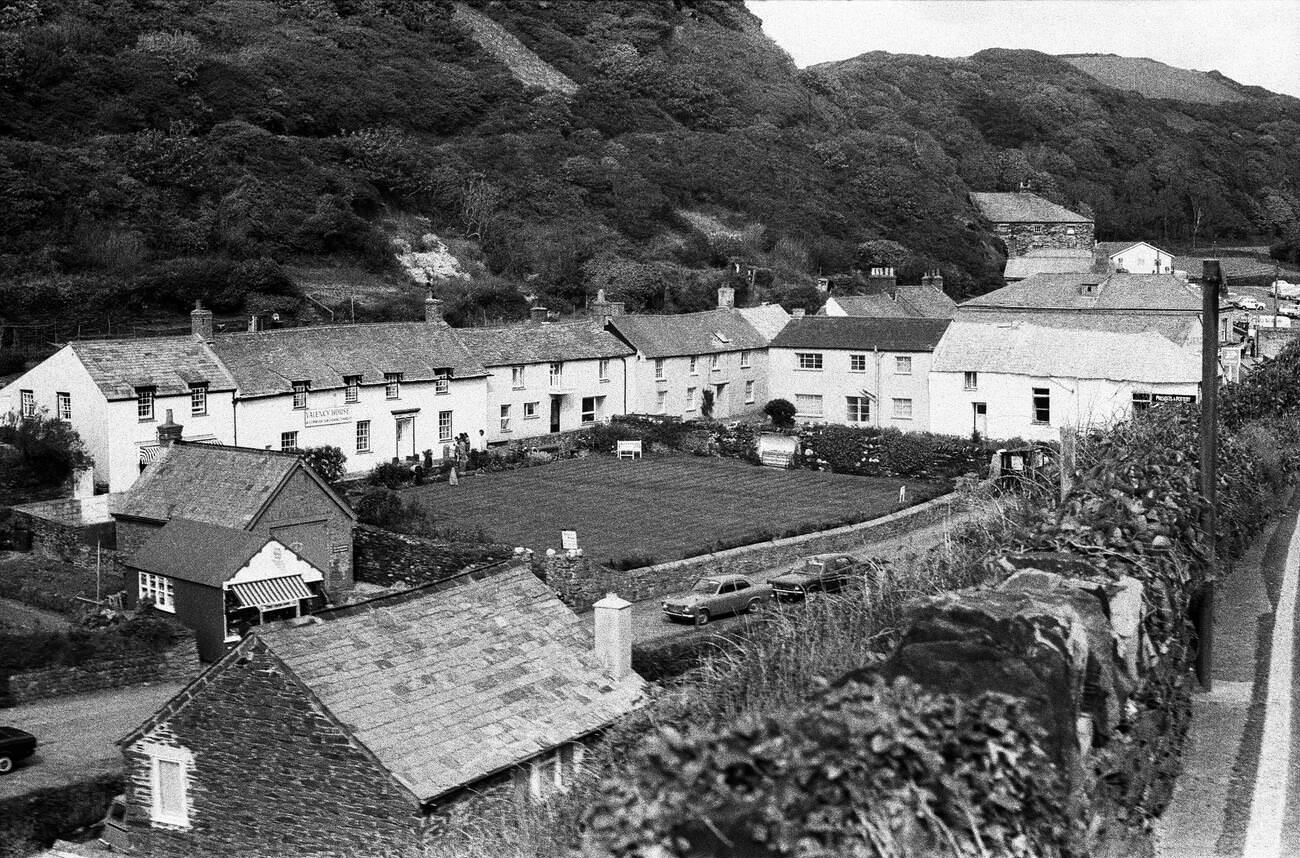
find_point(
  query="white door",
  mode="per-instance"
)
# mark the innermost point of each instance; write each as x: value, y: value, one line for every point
x: 981, y: 418
x: 405, y: 437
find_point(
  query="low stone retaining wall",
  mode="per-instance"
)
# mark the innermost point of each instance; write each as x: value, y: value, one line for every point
x: 581, y: 582
x: 178, y: 663
x: 69, y: 530
x: 391, y: 559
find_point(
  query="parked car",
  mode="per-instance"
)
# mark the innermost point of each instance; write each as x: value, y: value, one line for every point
x: 825, y: 573
x: 716, y: 596
x: 1292, y: 311
x: 15, y: 745
x: 1246, y: 302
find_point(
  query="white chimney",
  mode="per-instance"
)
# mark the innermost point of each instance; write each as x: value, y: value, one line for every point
x: 614, y: 635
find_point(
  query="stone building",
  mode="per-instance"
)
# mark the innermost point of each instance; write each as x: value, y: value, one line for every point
x: 353, y: 731
x: 1025, y: 221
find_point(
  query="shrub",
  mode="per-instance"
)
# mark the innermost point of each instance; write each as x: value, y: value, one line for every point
x: 381, y: 507
x: 326, y: 461
x: 781, y: 412
x: 47, y: 451
x: 390, y: 475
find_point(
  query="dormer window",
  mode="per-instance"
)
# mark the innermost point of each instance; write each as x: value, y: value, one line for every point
x: 300, y: 389
x: 392, y: 385
x: 198, y: 399
x: 441, y: 381
x: 144, y: 403
x: 351, y: 388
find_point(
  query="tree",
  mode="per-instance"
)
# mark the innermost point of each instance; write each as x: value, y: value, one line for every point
x: 46, y: 451
x: 706, y: 405
x: 781, y: 412
x: 326, y: 461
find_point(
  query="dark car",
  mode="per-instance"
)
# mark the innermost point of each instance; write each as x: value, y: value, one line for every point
x: 714, y: 596
x: 825, y: 573
x: 15, y: 745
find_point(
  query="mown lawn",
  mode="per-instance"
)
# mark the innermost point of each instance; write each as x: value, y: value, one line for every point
x: 660, y: 508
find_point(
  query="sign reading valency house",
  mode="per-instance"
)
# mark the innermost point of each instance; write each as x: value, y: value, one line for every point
x: 327, y: 416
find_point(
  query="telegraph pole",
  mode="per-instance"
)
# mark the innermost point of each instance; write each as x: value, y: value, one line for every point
x: 1211, y: 278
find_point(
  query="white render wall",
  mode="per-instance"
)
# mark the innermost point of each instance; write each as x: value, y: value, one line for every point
x: 1075, y: 402
x: 579, y: 378
x: 835, y: 382
x: 261, y: 420
x: 644, y: 387
x: 1142, y: 258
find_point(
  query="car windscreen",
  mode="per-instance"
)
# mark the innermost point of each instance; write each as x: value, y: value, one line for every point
x: 705, y: 585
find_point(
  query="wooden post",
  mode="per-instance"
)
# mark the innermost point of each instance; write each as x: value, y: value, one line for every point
x: 1068, y: 435
x: 1211, y: 278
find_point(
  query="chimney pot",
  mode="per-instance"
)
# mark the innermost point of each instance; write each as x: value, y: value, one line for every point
x: 169, y: 431
x: 614, y: 635
x: 201, y: 322
x: 726, y: 298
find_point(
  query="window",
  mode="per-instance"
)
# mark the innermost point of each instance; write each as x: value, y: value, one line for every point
x: 661, y: 402
x: 970, y: 380
x: 749, y: 391
x: 517, y: 377
x: 444, y: 425
x: 158, y: 588
x: 363, y: 436
x: 352, y: 388
x: 63, y: 401
x: 557, y: 373
x: 902, y: 409
x: 441, y: 382
x: 300, y: 389
x: 695, y: 361
x: 28, y: 405
x: 392, y: 385
x: 288, y: 441
x: 603, y: 375
x: 808, y: 404
x: 857, y: 363
x: 690, y: 399
x: 552, y: 773
x: 713, y: 362
x: 588, y: 410
x: 746, y: 359
x: 859, y: 409
x: 1141, y: 402
x: 530, y: 410
x: 505, y: 418
x: 902, y: 365
x: 198, y: 399
x: 144, y: 403
x: 659, y: 368
x: 169, y: 785
x: 1042, y: 405
x: 809, y: 360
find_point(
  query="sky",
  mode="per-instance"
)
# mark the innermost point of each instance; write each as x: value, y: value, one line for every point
x: 1254, y: 42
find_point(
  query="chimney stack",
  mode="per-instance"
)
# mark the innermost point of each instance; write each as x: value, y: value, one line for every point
x: 933, y: 278
x: 201, y: 322
x: 883, y: 281
x: 433, y: 310
x: 169, y: 431
x: 726, y: 298
x: 537, y: 315
x: 824, y: 285
x: 614, y: 635
x: 798, y: 313
x: 605, y: 310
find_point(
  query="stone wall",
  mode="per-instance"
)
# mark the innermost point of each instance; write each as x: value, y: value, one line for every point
x: 1023, y: 237
x: 290, y: 783
x: 580, y: 582
x: 69, y: 529
x: 391, y: 559
x: 178, y: 663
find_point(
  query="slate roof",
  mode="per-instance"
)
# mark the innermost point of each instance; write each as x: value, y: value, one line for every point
x: 1023, y: 207
x: 928, y: 302
x: 211, y: 483
x: 694, y: 333
x: 1148, y: 349
x: 857, y: 332
x: 874, y: 306
x: 168, y: 364
x: 529, y: 343
x: 1021, y: 267
x: 269, y: 362
x: 196, y: 551
x: 1161, y: 293
x: 768, y: 319
x: 450, y: 687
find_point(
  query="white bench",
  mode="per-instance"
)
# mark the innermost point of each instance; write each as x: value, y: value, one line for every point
x: 629, y: 449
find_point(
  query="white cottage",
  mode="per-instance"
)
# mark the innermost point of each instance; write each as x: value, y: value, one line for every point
x: 1135, y: 257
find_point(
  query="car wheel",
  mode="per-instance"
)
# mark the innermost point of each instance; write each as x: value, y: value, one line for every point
x: 752, y: 606
x: 6, y: 765
x: 702, y: 618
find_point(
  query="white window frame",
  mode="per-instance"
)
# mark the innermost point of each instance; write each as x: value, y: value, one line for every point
x: 808, y: 361
x: 183, y: 760
x: 902, y: 365
x: 530, y: 410
x: 903, y: 408
x: 144, y: 401
x: 63, y: 405
x: 857, y: 363
x: 589, y: 417
x: 505, y: 418
x: 27, y: 400
x: 659, y: 369
x: 808, y: 397
x: 661, y: 402
x: 445, y: 418
x: 690, y: 399
x: 198, y: 399
x: 1141, y: 401
x: 714, y: 360
x: 363, y: 436
x: 289, y: 441
x: 160, y: 588
x: 862, y: 409
x: 300, y: 391
x: 442, y: 383
x: 556, y: 372
x: 517, y: 377
x: 602, y: 369
x: 695, y: 365
x: 351, y: 389
x: 746, y: 358
x: 1034, y: 394
x: 392, y: 385
x: 970, y: 380
x: 749, y: 391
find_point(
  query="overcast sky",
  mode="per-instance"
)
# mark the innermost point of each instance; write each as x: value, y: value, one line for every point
x: 1251, y: 41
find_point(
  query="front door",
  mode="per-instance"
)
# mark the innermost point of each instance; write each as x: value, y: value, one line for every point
x: 980, y: 418
x: 405, y: 437
x: 720, y: 400
x: 555, y: 413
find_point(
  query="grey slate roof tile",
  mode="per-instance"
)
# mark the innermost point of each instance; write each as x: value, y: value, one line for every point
x: 863, y: 333
x: 196, y: 551
x: 520, y: 344
x: 696, y: 333
x: 1023, y: 207
x: 167, y: 364
x: 1113, y: 292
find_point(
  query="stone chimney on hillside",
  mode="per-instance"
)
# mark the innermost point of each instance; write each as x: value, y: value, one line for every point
x: 201, y: 322
x: 726, y: 298
x: 933, y: 278
x: 433, y: 310
x: 537, y: 315
x: 604, y: 309
x: 883, y: 281
x: 169, y: 431
x: 614, y: 635
x: 824, y: 285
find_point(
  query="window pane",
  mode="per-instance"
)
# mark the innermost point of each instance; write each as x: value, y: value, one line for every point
x: 171, y: 789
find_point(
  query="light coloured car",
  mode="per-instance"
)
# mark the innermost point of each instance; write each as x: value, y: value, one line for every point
x: 715, y: 596
x: 1246, y: 302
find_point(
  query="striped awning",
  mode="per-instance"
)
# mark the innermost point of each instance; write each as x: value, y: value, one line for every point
x: 150, y: 453
x: 272, y: 592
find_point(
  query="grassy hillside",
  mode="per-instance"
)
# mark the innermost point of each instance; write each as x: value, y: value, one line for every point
x: 157, y: 151
x: 1156, y: 80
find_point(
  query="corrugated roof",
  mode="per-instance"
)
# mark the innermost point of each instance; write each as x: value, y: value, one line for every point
x: 167, y: 364
x: 196, y: 551
x: 227, y: 486
x: 857, y: 332
x: 690, y: 333
x: 1023, y: 207
x: 542, y: 343
x: 1126, y: 292
x: 1149, y: 349
x: 447, y: 688
x: 269, y: 362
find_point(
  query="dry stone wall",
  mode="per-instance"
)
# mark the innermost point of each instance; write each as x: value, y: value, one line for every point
x: 177, y: 663
x: 391, y: 559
